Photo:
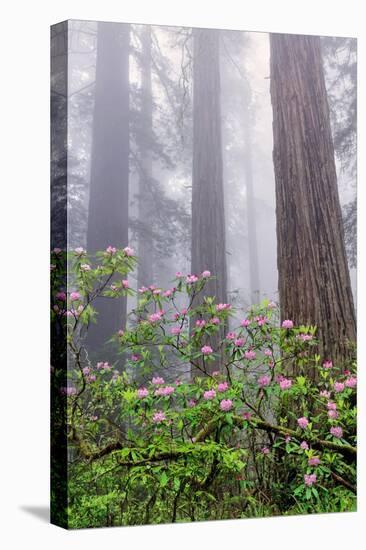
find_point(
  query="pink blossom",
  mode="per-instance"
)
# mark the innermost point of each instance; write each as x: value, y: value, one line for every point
x: 264, y: 381
x: 157, y: 380
x: 120, y: 332
x: 142, y: 393
x: 167, y: 293
x: 125, y: 283
x: 215, y: 321
x: 285, y: 384
x: 57, y: 251
x: 179, y: 274
x: 303, y: 422
x: 287, y: 323
x: 331, y: 406
x: 336, y: 431
x: 230, y: 336
x: 314, y: 461
x: 91, y: 378
x: 327, y: 364
x: 247, y: 415
x: 135, y: 357
x: 287, y: 439
x: 61, y: 296
x: 85, y: 267
x: 191, y: 403
x: 103, y: 365
x: 310, y: 479
x: 338, y: 387
x: 155, y: 317
x: 209, y: 394
x: 206, y: 350
x: 325, y: 393
x: 222, y: 307
x: 216, y: 373
x: 167, y: 390
x: 245, y: 323
x: 74, y: 296
x: 268, y: 352
x: 333, y: 414
x: 128, y: 251
x: 190, y: 279
x: 272, y: 305
x: 222, y: 387
x: 184, y: 311
x: 226, y: 405
x: 200, y: 323
x: 93, y: 418
x: 265, y: 450
x: 86, y: 371
x: 175, y: 331
x: 250, y: 354
x: 143, y: 289
x: 239, y: 342
x: 205, y: 274
x: 351, y: 382
x: 111, y: 250
x: 158, y: 417
x: 157, y: 291
x: 80, y: 251
x: 261, y: 320
x: 304, y: 337
x: 304, y: 446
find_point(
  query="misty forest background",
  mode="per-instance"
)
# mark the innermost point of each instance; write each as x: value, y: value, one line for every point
x: 171, y: 150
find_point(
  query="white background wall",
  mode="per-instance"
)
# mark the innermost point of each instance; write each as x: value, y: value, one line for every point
x: 24, y: 273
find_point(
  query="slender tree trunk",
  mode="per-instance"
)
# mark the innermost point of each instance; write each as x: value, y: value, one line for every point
x: 314, y: 283
x: 208, y: 223
x: 108, y: 202
x: 251, y: 214
x: 145, y: 204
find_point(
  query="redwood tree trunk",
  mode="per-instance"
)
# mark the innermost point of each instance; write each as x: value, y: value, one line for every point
x: 108, y: 202
x: 208, y: 223
x: 314, y: 282
x: 145, y: 203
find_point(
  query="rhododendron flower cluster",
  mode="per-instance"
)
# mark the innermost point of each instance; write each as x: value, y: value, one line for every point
x: 310, y: 479
x: 206, y: 350
x: 226, y: 405
x: 303, y: 422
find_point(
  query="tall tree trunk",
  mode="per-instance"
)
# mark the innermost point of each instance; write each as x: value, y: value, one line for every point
x: 145, y: 203
x: 314, y: 283
x: 108, y: 203
x: 251, y: 214
x: 208, y: 223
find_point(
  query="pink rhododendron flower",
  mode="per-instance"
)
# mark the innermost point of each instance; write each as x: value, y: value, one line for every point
x: 245, y: 323
x: 331, y: 406
x: 61, y: 296
x: 223, y: 386
x: 338, y: 387
x: 285, y: 384
x: 85, y: 267
x: 86, y: 371
x: 200, y: 323
x: 158, y: 417
x: 120, y: 332
x: 142, y: 393
x: 304, y: 446
x: 143, y: 289
x: 80, y: 251
x: 206, y: 350
x: 351, y: 382
x: 226, y: 405
x: 157, y: 291
x: 215, y: 321
x: 287, y: 438
x: 261, y: 320
x: 327, y: 364
x: 74, y: 296
x: 167, y: 293
x: 268, y: 352
x: 264, y: 380
x: 190, y: 279
x: 209, y: 394
x: 250, y: 355
x: 111, y: 250
x: 325, y: 393
x: 230, y: 336
x: 310, y: 479
x: 57, y: 251
x: 303, y: 422
x: 222, y: 307
x: 128, y: 251
x: 157, y: 380
x: 103, y: 365
x: 179, y: 274
x: 175, y: 331
x: 287, y: 323
x: 314, y: 461
x: 69, y: 390
x: 155, y: 317
x: 191, y: 403
x: 206, y: 274
x: 304, y: 337
x: 336, y: 431
x: 91, y: 378
x: 164, y: 391
x: 216, y: 373
x: 239, y: 342
x: 125, y: 283
x: 184, y: 311
x: 333, y: 414
x: 265, y: 450
x: 247, y: 415
x: 135, y: 357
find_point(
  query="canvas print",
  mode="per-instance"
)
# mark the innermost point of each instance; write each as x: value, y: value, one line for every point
x: 203, y: 274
